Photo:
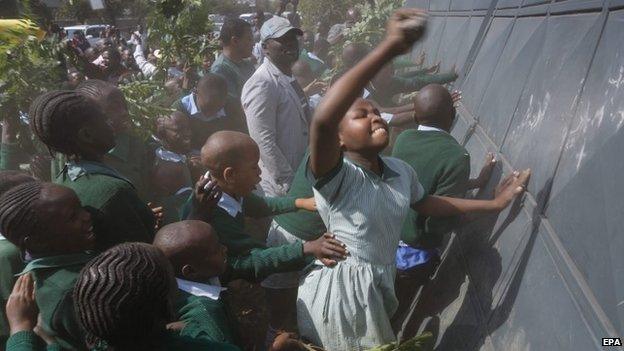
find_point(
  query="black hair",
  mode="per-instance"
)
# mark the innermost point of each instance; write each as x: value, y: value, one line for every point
x: 123, y: 297
x: 94, y: 89
x: 212, y: 82
x: 10, y: 179
x: 57, y: 116
x: 233, y: 27
x: 17, y: 212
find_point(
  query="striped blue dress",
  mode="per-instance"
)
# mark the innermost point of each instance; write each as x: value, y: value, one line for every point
x: 348, y: 307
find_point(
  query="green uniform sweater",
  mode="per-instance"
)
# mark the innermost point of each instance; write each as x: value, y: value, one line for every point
x: 10, y: 156
x: 209, y: 319
x: 10, y: 264
x: 55, y: 277
x: 305, y: 225
x: 29, y: 341
x: 246, y: 254
x: 119, y: 215
x: 443, y: 168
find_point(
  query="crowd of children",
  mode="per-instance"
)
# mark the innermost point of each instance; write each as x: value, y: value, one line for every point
x: 133, y: 244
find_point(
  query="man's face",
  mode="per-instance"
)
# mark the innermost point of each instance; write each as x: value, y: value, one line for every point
x: 245, y: 43
x: 283, y: 51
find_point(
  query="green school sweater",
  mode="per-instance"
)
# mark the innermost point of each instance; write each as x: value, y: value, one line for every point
x: 130, y: 158
x: 55, y: 277
x: 29, y: 341
x: 10, y: 156
x: 246, y: 254
x: 10, y: 264
x: 209, y: 319
x: 205, y: 318
x: 443, y: 168
x: 305, y: 225
x: 119, y: 215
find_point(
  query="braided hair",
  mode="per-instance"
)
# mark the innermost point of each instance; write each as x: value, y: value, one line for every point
x: 94, y: 89
x: 56, y: 118
x: 9, y: 179
x: 124, y: 296
x: 18, y: 217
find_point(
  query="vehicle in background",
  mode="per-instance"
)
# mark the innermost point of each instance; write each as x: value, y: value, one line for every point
x: 217, y: 21
x: 249, y: 17
x: 91, y: 31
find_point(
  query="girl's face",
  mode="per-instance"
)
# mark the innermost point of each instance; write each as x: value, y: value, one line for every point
x: 65, y: 226
x: 362, y: 129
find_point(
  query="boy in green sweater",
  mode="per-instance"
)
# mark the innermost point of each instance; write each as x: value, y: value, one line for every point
x: 70, y: 124
x: 232, y: 160
x: 202, y: 268
x: 443, y: 168
x: 47, y: 223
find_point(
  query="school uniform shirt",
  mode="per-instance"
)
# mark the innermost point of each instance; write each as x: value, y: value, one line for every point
x: 55, y: 277
x: 249, y: 258
x: 443, y: 167
x: 230, y: 117
x: 118, y: 214
x: 234, y: 73
x: 278, y: 116
x: 305, y: 225
x: 348, y: 306
x: 129, y: 158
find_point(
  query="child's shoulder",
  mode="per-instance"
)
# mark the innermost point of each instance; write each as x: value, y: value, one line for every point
x: 397, y: 165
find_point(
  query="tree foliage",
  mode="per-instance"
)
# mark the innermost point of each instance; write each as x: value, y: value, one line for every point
x: 332, y: 11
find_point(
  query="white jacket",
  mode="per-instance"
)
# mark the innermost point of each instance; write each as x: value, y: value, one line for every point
x: 278, y: 123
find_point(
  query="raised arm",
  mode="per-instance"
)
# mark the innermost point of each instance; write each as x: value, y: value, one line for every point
x: 404, y: 28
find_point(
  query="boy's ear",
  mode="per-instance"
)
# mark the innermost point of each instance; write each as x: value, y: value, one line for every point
x: 188, y: 271
x: 228, y: 174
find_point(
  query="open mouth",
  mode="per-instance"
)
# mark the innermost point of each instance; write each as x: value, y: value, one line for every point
x: 379, y: 131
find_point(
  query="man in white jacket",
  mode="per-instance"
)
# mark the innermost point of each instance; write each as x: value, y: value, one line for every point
x: 277, y: 110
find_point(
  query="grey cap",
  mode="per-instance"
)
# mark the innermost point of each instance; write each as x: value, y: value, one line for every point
x: 276, y: 27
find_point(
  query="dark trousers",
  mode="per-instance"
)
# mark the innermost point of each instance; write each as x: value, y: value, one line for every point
x: 407, y: 285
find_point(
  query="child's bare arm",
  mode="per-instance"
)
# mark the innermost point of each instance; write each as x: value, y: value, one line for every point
x: 443, y: 206
x: 404, y: 28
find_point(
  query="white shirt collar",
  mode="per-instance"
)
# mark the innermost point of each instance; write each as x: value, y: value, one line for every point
x: 189, y: 104
x: 170, y: 156
x: 232, y: 206
x: 2, y: 237
x: 366, y: 94
x: 314, y: 57
x: 430, y: 129
x: 211, y: 291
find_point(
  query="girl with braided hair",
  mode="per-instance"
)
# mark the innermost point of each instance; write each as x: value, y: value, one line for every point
x: 71, y: 124
x: 129, y: 156
x: 11, y: 261
x: 49, y: 225
x: 124, y: 301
